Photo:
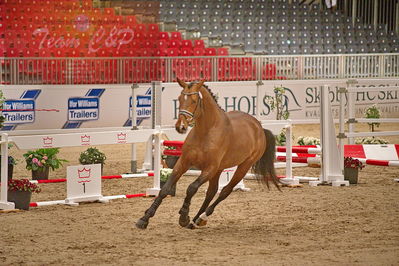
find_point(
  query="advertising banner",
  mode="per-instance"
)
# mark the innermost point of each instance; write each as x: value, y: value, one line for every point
x: 100, y: 106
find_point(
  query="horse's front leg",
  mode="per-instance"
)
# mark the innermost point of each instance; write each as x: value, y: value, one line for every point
x: 184, y: 219
x: 178, y: 171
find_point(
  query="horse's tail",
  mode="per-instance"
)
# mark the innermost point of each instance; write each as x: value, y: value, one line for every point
x: 264, y: 168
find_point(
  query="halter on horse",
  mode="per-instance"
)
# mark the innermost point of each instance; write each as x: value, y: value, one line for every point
x: 218, y: 140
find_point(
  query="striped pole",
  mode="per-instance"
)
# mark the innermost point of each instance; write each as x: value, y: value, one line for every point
x: 308, y: 160
x: 295, y: 149
x: 46, y: 181
x: 378, y: 162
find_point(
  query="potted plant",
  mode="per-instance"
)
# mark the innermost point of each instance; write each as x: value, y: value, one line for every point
x: 372, y: 112
x: 92, y: 156
x: 351, y: 169
x: 41, y: 160
x: 20, y: 192
x: 165, y: 173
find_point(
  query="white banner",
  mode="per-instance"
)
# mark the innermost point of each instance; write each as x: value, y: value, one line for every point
x: 110, y: 104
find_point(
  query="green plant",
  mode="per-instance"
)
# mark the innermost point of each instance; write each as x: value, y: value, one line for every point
x: 42, y: 158
x: 92, y: 156
x: 23, y: 185
x: 372, y: 112
x: 276, y: 102
x: 349, y: 162
x: 308, y: 141
x: 281, y: 138
x: 165, y: 173
x: 371, y: 140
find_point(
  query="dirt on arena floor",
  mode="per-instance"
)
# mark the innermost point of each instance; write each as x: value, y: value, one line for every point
x: 356, y: 225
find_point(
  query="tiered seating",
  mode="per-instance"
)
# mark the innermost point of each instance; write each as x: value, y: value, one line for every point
x: 74, y: 29
x: 278, y: 27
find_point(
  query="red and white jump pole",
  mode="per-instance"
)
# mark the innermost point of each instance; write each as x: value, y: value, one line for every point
x: 46, y: 181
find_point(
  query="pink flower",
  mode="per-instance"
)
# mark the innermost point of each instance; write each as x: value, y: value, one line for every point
x: 35, y: 160
x: 45, y: 157
x: 39, y: 164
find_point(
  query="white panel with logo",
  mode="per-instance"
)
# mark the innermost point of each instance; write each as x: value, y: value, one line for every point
x: 225, y: 178
x: 84, y: 184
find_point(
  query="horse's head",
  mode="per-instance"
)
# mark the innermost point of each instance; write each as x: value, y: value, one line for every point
x: 189, y: 104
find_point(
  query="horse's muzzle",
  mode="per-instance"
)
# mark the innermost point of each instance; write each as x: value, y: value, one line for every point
x: 181, y: 128
x: 181, y: 125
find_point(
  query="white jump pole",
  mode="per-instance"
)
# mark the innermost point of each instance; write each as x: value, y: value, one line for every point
x: 289, y: 179
x: 4, y: 204
x: 331, y: 171
x: 156, y: 115
x: 133, y: 162
x: 351, y: 111
x: 341, y: 134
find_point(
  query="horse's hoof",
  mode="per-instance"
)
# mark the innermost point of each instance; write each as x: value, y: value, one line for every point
x: 184, y: 220
x: 141, y: 224
x: 201, y: 222
x: 191, y: 226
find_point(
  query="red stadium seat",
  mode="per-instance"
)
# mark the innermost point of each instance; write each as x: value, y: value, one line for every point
x: 222, y: 51
x: 210, y: 51
x: 186, y: 52
x: 109, y: 11
x: 172, y: 52
x: 131, y: 20
x: 175, y: 35
x: 174, y: 44
x: 198, y: 51
x: 186, y: 44
x: 161, y: 44
x: 164, y: 36
x: 153, y: 28
x: 199, y: 44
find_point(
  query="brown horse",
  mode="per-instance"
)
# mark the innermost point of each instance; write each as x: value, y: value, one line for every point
x: 218, y: 140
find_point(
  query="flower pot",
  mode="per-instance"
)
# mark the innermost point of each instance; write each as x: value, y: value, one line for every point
x: 351, y: 174
x: 171, y: 161
x: 40, y: 174
x: 172, y: 191
x: 21, y: 199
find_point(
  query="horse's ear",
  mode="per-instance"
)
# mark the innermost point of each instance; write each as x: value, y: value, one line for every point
x: 201, y: 83
x: 181, y: 83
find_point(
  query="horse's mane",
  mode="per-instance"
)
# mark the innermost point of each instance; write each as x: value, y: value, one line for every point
x: 215, y: 98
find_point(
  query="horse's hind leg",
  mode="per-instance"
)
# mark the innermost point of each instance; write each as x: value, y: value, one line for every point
x: 184, y: 219
x: 210, y: 194
x: 242, y: 169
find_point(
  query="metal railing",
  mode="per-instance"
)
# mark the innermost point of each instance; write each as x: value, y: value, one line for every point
x: 121, y: 70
